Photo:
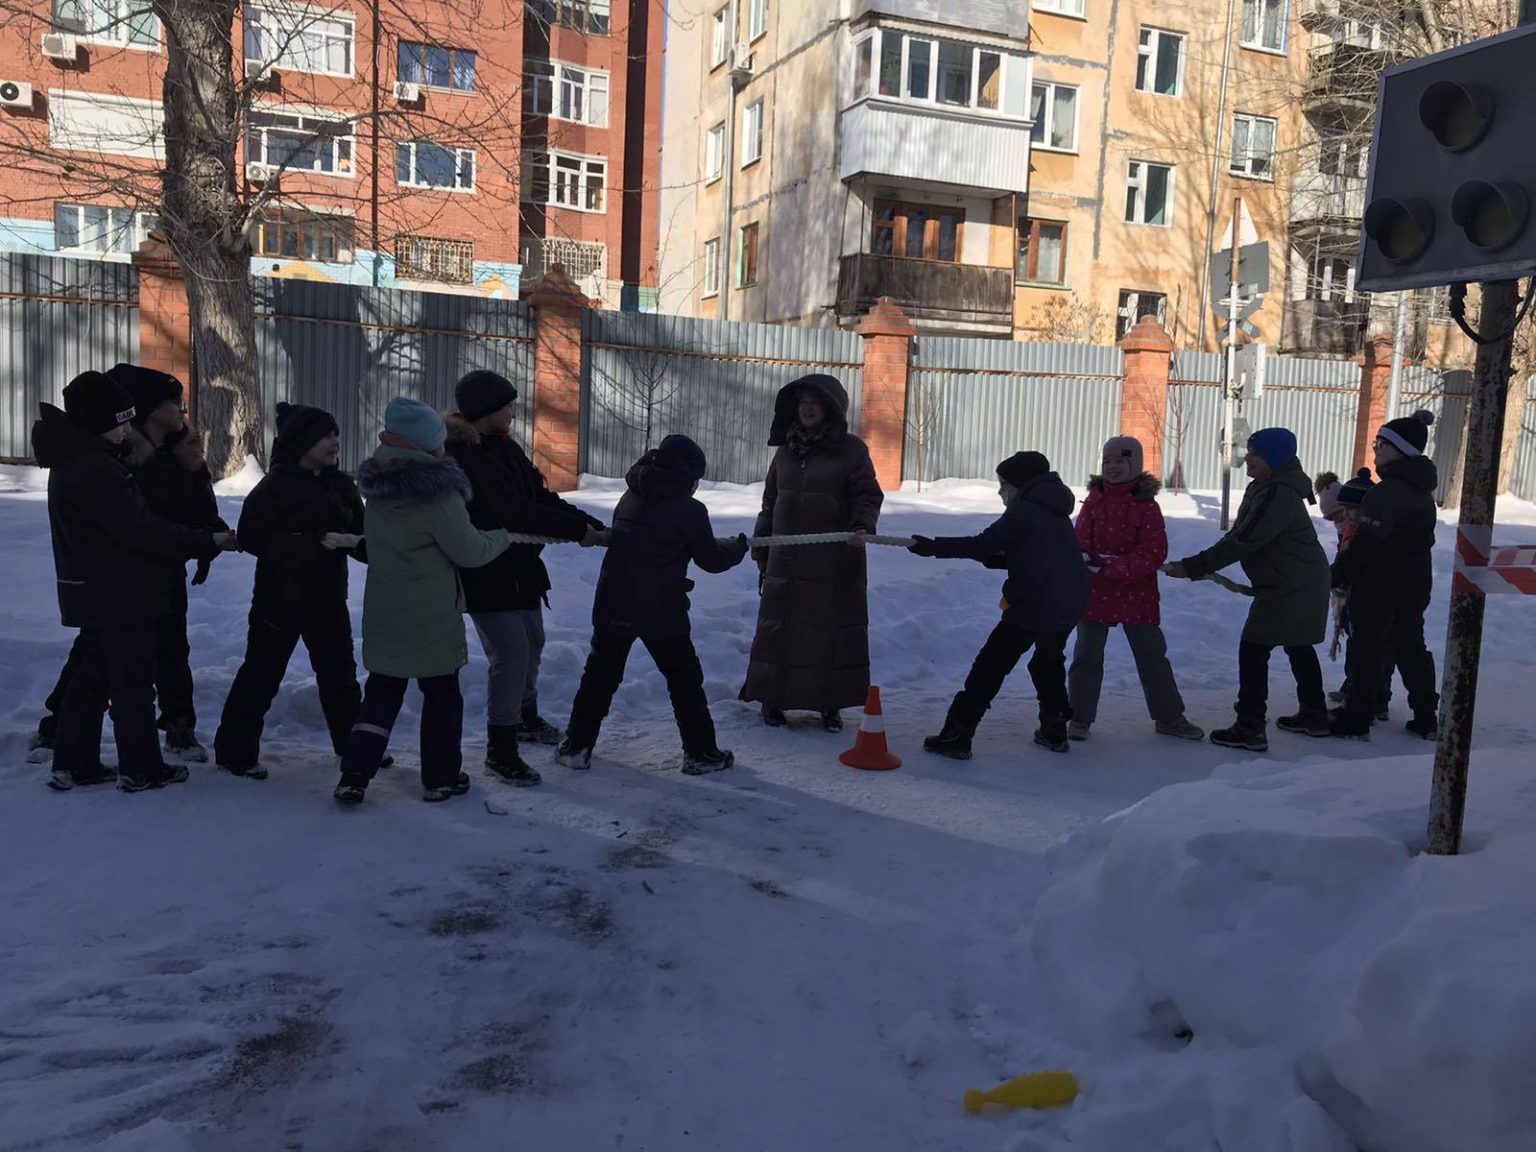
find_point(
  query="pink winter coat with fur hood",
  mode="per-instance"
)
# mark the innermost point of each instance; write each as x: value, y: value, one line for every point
x: 1122, y: 524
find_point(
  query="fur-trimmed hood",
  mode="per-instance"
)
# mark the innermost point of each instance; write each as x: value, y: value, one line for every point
x: 409, y: 476
x: 786, y: 408
x: 187, y: 447
x: 1144, y: 488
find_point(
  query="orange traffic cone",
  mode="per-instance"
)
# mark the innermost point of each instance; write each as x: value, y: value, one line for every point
x: 869, y: 751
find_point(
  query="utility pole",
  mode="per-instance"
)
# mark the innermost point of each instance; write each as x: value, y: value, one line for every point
x: 1230, y: 387
x: 1399, y: 327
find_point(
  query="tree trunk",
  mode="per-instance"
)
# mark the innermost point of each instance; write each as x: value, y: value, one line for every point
x: 224, y: 338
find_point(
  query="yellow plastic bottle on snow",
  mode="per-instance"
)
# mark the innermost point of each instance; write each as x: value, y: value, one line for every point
x: 1035, y: 1090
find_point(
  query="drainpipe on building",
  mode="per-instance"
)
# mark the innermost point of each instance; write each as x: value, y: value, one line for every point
x: 730, y: 168
x: 374, y: 174
x: 1210, y: 216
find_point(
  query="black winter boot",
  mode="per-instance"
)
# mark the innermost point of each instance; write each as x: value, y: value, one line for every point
x: 1307, y: 722
x: 534, y: 729
x: 774, y: 717
x: 832, y: 721
x: 1247, y: 734
x: 573, y: 756
x: 1347, y: 726
x: 1052, y: 733
x: 703, y: 763
x: 181, y: 741
x: 502, y: 758
x: 952, y: 742
x: 1424, y: 725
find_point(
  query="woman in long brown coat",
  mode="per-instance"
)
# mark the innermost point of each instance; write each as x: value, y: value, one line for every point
x: 811, y: 652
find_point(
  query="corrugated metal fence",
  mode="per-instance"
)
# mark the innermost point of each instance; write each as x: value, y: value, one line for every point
x: 647, y: 375
x: 1524, y: 483
x: 351, y: 350
x: 972, y: 403
x: 58, y: 318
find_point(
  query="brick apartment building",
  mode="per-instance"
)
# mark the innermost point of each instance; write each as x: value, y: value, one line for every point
x: 438, y: 144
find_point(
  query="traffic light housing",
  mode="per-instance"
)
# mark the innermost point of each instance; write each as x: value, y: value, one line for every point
x: 1453, y: 171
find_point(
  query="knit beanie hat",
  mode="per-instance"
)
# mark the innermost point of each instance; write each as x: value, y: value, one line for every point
x: 481, y: 392
x: 1275, y: 446
x: 1352, y: 495
x: 96, y: 403
x: 1327, y: 488
x: 681, y: 454
x: 1408, y: 434
x: 300, y: 428
x: 1022, y: 467
x: 149, y: 387
x: 1127, y: 447
x: 417, y: 422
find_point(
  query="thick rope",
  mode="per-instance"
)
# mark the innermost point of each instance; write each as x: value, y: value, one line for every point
x: 754, y: 542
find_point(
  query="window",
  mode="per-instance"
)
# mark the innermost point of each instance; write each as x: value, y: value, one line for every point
x: 1149, y: 194
x: 113, y: 125
x: 714, y: 153
x: 1160, y: 62
x: 1061, y: 7
x: 127, y: 22
x: 1339, y: 155
x: 304, y: 237
x: 564, y: 180
x: 901, y: 66
x: 1054, y: 111
x: 91, y: 228
x: 752, y: 133
x: 304, y: 143
x: 581, y: 259
x: 746, y: 256
x: 1136, y: 306
x: 757, y: 18
x: 711, y: 268
x: 1331, y: 277
x: 299, y: 39
x: 1042, y: 252
x: 957, y: 64
x: 422, y: 164
x: 424, y: 258
x: 437, y: 67
x: 592, y: 16
x: 863, y: 64
x: 1264, y: 24
x: 565, y: 92
x: 919, y: 75
x: 720, y: 39
x: 916, y: 231
x: 1253, y: 147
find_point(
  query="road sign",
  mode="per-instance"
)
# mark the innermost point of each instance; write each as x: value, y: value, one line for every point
x: 1252, y: 277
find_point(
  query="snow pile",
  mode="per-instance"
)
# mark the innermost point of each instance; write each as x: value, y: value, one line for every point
x: 1271, y: 955
x: 240, y: 484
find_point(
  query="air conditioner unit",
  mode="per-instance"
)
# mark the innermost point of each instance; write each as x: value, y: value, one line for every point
x: 741, y: 59
x: 259, y: 173
x: 14, y: 94
x: 60, y: 46
x: 407, y: 91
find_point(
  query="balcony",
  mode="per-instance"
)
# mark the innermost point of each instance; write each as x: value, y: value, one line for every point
x: 933, y: 293
x: 1343, y: 77
x: 1319, y: 15
x: 930, y: 145
x: 1326, y: 327
x: 1320, y: 198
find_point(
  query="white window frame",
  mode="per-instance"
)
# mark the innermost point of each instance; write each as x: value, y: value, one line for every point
x: 711, y: 285
x: 1136, y: 178
x: 720, y: 38
x: 118, y: 33
x: 136, y: 224
x: 305, y: 119
x: 1245, y: 169
x: 1127, y: 311
x: 1321, y: 282
x: 560, y: 167
x: 1013, y: 68
x: 454, y: 54
x: 752, y: 117
x: 1075, y: 9
x: 1047, y: 124
x: 757, y: 19
x: 714, y: 153
x: 1256, y: 42
x: 460, y: 156
x: 552, y: 78
x: 302, y: 14
x: 1147, y: 53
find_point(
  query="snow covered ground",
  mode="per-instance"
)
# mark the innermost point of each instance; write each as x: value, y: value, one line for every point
x: 788, y: 955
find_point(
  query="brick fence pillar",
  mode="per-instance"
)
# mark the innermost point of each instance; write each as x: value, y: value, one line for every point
x: 1375, y: 381
x: 887, y: 337
x: 165, y: 320
x: 1144, y: 393
x: 558, y: 309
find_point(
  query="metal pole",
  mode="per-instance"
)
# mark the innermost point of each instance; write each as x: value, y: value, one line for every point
x: 1216, y: 153
x: 1230, y: 389
x: 728, y: 187
x: 1399, y: 331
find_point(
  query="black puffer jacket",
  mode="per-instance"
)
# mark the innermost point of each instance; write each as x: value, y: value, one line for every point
x: 658, y: 528
x: 176, y: 484
x: 1390, y: 552
x: 111, y: 554
x: 284, y: 519
x: 509, y: 492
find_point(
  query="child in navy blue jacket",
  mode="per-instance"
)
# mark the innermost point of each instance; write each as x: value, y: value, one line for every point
x: 642, y: 594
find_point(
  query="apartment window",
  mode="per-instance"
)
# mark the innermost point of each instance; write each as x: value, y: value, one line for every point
x: 299, y: 39
x: 1061, y: 7
x: 591, y: 16
x: 93, y: 228
x: 1339, y: 155
x: 1053, y: 108
x: 1149, y: 194
x: 1264, y: 24
x: 1042, y: 252
x: 422, y: 164
x: 1160, y: 62
x: 566, y: 92
x: 757, y: 18
x: 928, y: 71
x: 714, y: 153
x: 752, y: 133
x: 426, y: 258
x: 916, y: 231
x: 1253, y: 147
x: 711, y: 268
x: 304, y: 237
x: 437, y: 67
x: 126, y: 22
x: 1136, y: 306
x: 112, y: 125
x: 1331, y: 277
x: 720, y: 38
x: 566, y: 180
x: 746, y: 255
x: 302, y: 143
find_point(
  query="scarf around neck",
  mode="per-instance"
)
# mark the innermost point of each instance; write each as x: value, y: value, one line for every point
x: 802, y: 440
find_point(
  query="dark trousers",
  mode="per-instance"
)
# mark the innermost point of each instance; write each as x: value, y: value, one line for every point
x: 173, y: 677
x: 1253, y: 679
x: 114, y: 667
x: 675, y: 659
x: 268, y: 648
x: 1383, y: 699
x: 442, y: 728
x: 1385, y: 631
x: 997, y: 658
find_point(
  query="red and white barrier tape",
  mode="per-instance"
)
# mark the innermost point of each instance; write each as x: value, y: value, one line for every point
x: 1482, y: 570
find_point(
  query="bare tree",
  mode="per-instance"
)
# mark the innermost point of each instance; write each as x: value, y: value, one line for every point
x: 924, y: 412
x: 1068, y: 319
